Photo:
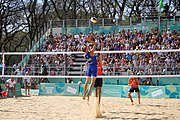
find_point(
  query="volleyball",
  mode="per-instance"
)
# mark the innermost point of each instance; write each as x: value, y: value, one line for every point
x: 93, y: 19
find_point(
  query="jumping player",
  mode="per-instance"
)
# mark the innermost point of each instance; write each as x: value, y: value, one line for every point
x: 99, y: 81
x: 92, y: 66
x: 133, y: 83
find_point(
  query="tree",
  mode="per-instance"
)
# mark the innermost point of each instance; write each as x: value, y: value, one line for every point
x: 20, y: 22
x: 10, y: 26
x: 35, y: 16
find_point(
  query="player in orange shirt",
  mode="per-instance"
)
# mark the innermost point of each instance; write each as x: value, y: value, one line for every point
x: 98, y: 83
x: 133, y: 83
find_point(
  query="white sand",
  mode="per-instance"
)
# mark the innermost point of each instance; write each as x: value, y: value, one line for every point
x: 74, y: 108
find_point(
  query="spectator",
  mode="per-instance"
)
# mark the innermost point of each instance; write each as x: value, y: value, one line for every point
x: 105, y: 67
x: 148, y: 81
x: 123, y: 40
x: 69, y: 80
x: 44, y: 80
x: 18, y: 71
x: 27, y: 84
x: 33, y: 83
x: 25, y: 70
x: 15, y: 66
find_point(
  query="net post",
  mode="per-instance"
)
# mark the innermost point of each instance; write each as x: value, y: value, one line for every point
x: 3, y: 62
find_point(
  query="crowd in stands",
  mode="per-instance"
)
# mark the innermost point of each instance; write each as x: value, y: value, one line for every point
x: 143, y: 63
x: 119, y: 63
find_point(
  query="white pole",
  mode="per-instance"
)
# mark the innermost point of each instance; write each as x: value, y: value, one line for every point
x: 103, y: 22
x: 3, y: 65
x: 76, y: 23
x: 130, y: 21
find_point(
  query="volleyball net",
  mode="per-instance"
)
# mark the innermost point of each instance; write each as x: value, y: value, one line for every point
x: 116, y: 64
x: 160, y: 68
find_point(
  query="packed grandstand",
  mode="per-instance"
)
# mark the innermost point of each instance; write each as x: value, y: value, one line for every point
x: 156, y: 63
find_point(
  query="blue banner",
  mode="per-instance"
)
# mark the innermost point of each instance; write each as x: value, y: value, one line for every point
x: 50, y: 89
x: 68, y: 89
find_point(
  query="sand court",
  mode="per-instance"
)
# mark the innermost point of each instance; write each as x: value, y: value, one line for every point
x: 74, y: 108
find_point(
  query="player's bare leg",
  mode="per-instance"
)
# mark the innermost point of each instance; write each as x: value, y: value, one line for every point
x: 28, y: 90
x: 90, y: 87
x: 139, y: 97
x: 96, y: 92
x: 85, y: 86
x: 98, y: 105
x: 129, y: 94
x: 99, y: 94
x: 14, y: 91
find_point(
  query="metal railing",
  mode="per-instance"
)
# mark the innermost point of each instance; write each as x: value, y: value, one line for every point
x: 53, y: 70
x: 75, y: 26
x: 110, y: 22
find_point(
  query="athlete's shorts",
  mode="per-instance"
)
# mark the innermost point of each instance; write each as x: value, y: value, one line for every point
x: 92, y: 71
x: 98, y: 82
x: 134, y: 89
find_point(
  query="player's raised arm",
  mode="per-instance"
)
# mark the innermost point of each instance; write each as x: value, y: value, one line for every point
x: 101, y: 55
x: 129, y: 82
x: 91, y: 41
x: 137, y: 81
